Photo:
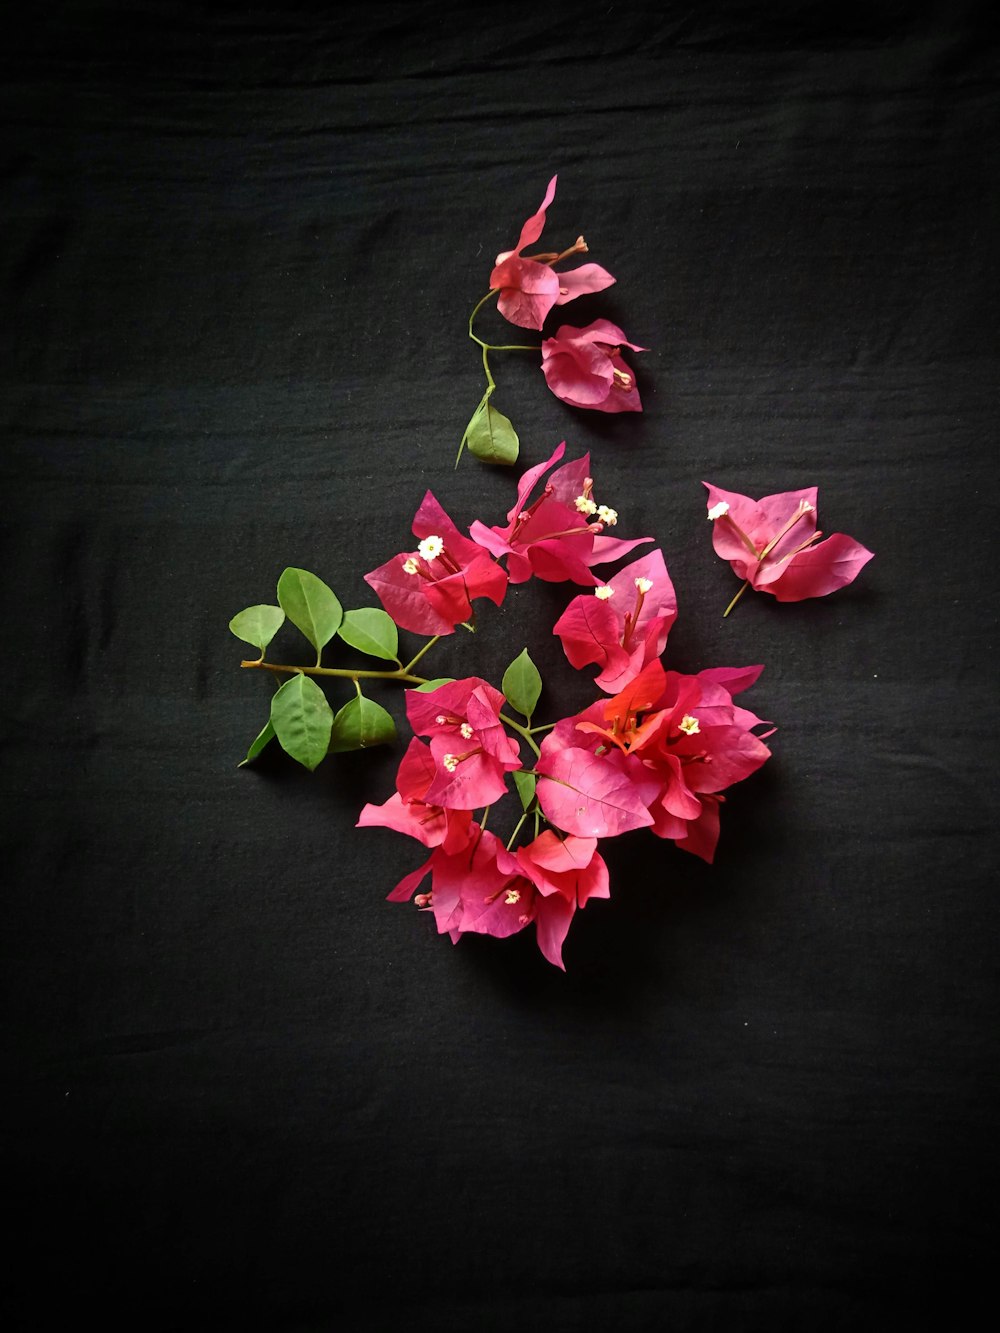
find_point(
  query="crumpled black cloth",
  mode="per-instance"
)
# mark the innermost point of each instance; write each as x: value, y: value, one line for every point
x: 241, y: 247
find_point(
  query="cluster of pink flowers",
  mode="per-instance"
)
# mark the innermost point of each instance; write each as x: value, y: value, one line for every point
x: 657, y: 750
x: 582, y: 366
x: 657, y: 754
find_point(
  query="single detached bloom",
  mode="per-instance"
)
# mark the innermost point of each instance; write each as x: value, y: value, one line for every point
x: 431, y: 590
x: 623, y: 624
x: 584, y: 367
x: 774, y: 544
x: 528, y: 285
x: 560, y: 534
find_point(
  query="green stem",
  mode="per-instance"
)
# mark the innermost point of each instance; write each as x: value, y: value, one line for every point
x: 506, y: 347
x: 517, y: 830
x: 353, y: 674
x: 413, y: 661
x: 548, y: 727
x: 736, y: 599
x: 521, y: 731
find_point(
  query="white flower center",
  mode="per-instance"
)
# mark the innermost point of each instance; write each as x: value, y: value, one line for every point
x: 430, y: 548
x: 466, y: 731
x: 644, y: 585
x: 689, y: 725
x: 717, y: 511
x: 450, y: 762
x: 585, y: 504
x: 604, y: 592
x: 606, y: 515
x: 410, y: 566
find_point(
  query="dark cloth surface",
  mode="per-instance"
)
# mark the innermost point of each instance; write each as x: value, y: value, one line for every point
x: 243, y: 1090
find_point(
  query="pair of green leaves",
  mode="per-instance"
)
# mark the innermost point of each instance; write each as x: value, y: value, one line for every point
x: 308, y: 730
x: 315, y: 609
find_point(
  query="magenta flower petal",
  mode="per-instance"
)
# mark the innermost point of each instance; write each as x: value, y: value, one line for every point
x: 582, y: 281
x: 820, y: 570
x: 552, y: 922
x: 588, y: 795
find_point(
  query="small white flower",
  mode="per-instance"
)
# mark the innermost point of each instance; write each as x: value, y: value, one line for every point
x: 410, y: 566
x: 718, y: 510
x: 513, y: 896
x: 466, y: 731
x: 606, y: 515
x: 450, y: 762
x: 605, y: 592
x: 430, y: 548
x: 807, y: 508
x: 689, y: 725
x: 441, y: 719
x: 585, y: 504
x: 644, y: 585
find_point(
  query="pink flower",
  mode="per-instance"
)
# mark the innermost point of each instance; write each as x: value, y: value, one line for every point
x: 584, y: 367
x: 407, y: 812
x: 431, y: 590
x: 623, y: 624
x: 470, y: 749
x: 771, y: 543
x: 486, y: 890
x: 657, y: 755
x: 558, y: 536
x: 528, y: 285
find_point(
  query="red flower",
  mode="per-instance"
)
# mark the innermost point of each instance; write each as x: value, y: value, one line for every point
x: 490, y: 891
x: 658, y: 755
x: 431, y: 590
x: 558, y: 536
x: 584, y: 367
x: 529, y: 287
x: 771, y: 543
x: 469, y: 747
x: 408, y: 812
x: 623, y: 624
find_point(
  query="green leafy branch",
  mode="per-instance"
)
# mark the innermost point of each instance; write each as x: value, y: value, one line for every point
x: 301, y: 718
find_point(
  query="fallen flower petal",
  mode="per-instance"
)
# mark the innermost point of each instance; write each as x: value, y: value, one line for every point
x: 773, y: 544
x: 584, y: 367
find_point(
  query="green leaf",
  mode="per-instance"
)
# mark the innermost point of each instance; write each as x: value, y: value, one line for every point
x: 265, y: 737
x: 302, y: 719
x: 258, y: 625
x: 311, y: 606
x: 361, y: 724
x: 430, y: 685
x: 372, y: 631
x: 522, y: 684
x: 525, y: 784
x: 491, y: 437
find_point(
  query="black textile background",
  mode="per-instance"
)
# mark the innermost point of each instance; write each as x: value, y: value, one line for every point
x: 242, y: 1089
